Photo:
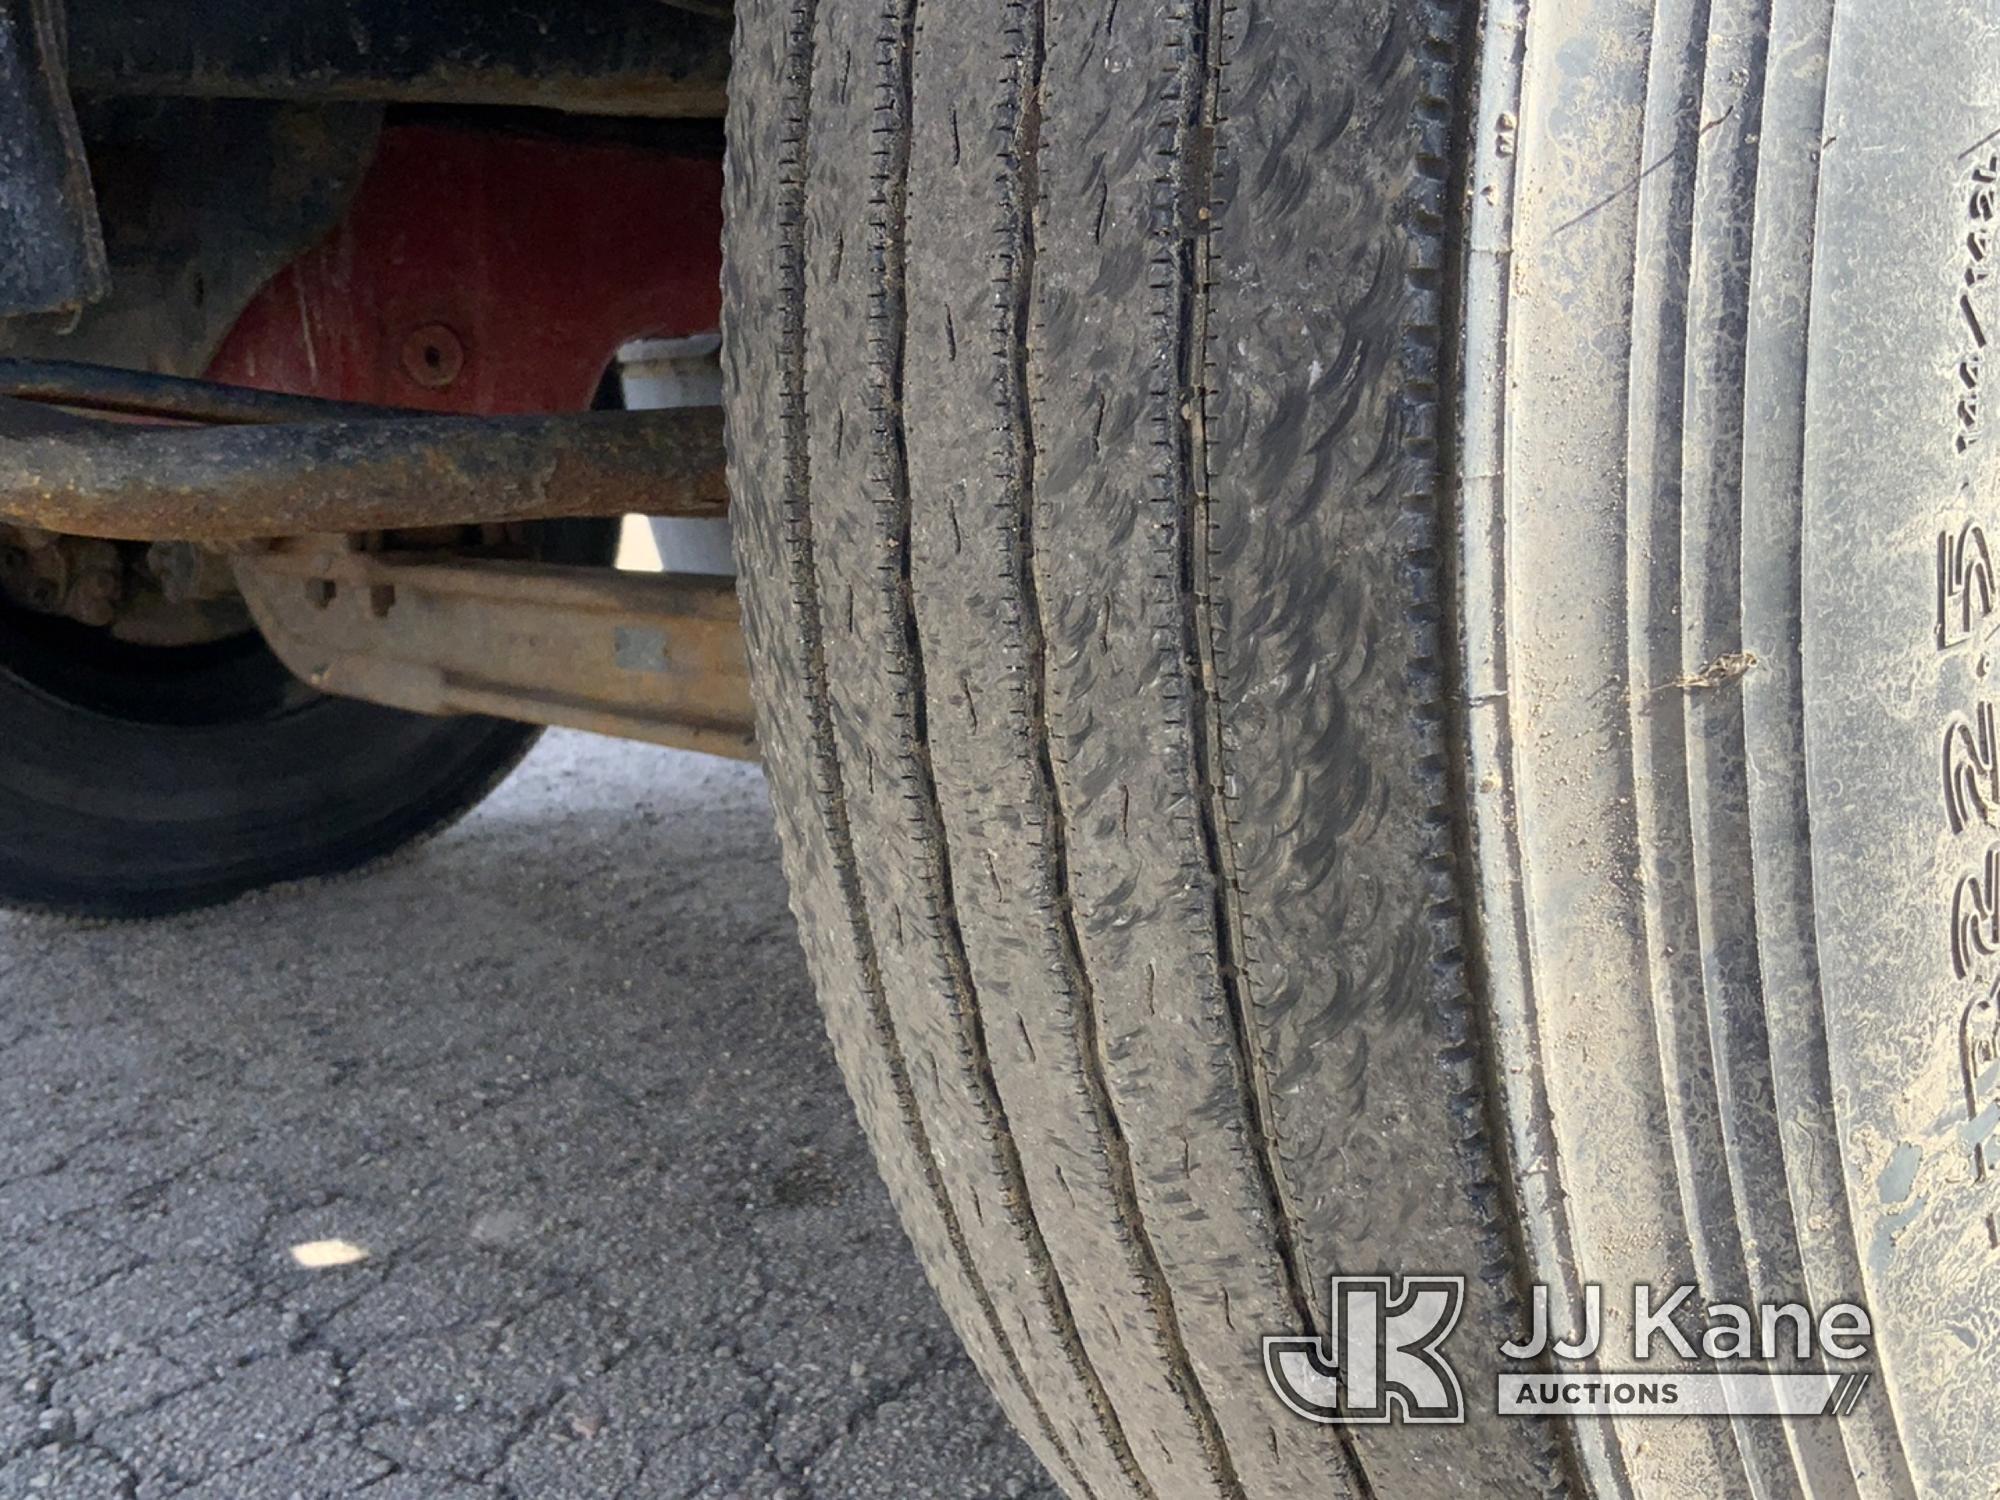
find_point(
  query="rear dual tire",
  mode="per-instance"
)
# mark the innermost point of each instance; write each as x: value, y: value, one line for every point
x: 138, y: 781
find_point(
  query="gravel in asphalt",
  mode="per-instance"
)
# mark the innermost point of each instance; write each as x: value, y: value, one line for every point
x: 559, y: 1075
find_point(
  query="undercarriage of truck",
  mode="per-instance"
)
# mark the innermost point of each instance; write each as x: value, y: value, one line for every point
x: 1368, y: 623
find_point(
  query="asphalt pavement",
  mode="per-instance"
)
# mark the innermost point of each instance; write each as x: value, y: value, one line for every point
x: 557, y: 1079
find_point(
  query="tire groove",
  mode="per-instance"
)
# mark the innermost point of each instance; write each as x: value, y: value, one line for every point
x: 1049, y: 804
x: 799, y: 63
x: 1190, y: 179
x: 889, y: 335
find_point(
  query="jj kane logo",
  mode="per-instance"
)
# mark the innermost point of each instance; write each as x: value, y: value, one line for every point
x: 1384, y: 1361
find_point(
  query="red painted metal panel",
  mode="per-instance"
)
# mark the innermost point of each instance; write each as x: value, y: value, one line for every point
x: 485, y: 272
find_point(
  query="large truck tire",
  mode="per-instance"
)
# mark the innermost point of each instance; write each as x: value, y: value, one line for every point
x: 1354, y: 605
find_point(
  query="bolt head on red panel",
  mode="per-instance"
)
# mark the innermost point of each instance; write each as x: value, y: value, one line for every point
x: 433, y: 356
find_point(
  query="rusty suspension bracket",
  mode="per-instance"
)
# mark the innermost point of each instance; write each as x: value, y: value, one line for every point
x: 643, y: 656
x: 253, y: 472
x: 169, y: 398
x: 280, y: 484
